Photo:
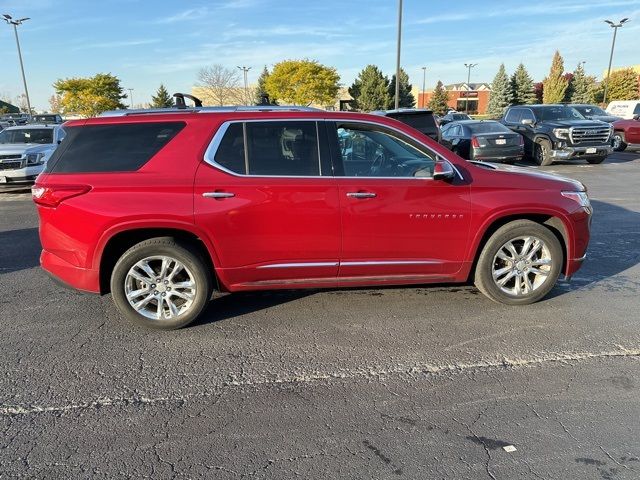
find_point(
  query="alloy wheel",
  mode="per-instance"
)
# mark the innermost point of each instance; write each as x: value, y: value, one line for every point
x: 522, y: 265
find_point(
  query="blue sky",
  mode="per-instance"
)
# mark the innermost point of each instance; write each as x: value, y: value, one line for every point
x: 146, y: 42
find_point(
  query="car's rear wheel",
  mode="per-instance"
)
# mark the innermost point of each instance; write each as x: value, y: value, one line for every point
x: 595, y: 160
x: 542, y: 152
x: 618, y: 143
x: 519, y: 264
x: 161, y: 283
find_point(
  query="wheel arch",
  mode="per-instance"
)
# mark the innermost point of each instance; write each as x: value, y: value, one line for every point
x: 552, y: 221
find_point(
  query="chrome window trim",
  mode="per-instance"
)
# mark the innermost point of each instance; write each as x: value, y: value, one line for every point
x: 214, y: 144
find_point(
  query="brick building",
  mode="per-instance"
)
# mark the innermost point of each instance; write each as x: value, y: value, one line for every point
x: 477, y: 94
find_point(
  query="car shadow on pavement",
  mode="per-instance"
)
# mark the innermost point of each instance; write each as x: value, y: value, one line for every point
x: 614, y: 248
x: 19, y: 250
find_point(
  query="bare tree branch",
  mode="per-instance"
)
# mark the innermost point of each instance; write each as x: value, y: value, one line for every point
x: 221, y: 85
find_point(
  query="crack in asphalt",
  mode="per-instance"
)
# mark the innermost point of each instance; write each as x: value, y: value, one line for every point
x: 318, y: 376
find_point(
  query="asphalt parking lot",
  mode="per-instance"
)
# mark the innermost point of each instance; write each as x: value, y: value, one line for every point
x: 413, y: 383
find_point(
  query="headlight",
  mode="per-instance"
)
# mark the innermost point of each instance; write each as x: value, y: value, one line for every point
x: 561, y: 133
x: 35, y: 159
x: 581, y: 198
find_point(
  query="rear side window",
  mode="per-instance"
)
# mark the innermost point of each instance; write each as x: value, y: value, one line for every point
x: 124, y: 147
x: 281, y: 148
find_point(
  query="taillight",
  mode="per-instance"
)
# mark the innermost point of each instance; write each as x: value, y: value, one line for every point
x: 474, y: 142
x: 53, y: 195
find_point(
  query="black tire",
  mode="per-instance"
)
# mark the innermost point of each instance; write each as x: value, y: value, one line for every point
x: 514, y: 230
x: 542, y: 152
x: 595, y: 160
x: 195, y: 266
x: 619, y: 145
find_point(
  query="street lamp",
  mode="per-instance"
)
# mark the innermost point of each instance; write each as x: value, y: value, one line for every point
x: 130, y: 96
x: 245, y: 70
x: 15, y: 23
x: 469, y: 67
x: 397, y: 103
x: 615, y: 27
x: 424, y: 80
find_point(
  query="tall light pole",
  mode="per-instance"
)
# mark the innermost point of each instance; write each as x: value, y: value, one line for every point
x: 15, y: 23
x: 615, y: 27
x: 245, y: 70
x: 397, y: 103
x: 469, y: 67
x: 424, y: 82
x: 130, y: 97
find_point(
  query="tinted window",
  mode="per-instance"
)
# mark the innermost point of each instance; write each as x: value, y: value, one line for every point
x: 27, y: 135
x: 488, y: 127
x: 513, y: 115
x: 111, y: 148
x: 371, y: 152
x: 421, y: 122
x: 230, y: 153
x: 527, y: 115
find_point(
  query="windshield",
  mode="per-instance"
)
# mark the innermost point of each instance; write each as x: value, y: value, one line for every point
x: 488, y: 127
x: 589, y: 110
x: 558, y: 113
x: 27, y: 135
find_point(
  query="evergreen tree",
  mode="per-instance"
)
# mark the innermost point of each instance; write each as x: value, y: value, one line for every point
x: 407, y: 100
x: 522, y: 87
x: 500, y: 93
x: 161, y: 99
x: 582, y: 86
x: 439, y: 100
x: 370, y: 90
x: 261, y: 90
x: 555, y: 84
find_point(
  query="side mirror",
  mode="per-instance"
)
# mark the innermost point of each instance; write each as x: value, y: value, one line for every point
x: 527, y: 121
x: 442, y: 170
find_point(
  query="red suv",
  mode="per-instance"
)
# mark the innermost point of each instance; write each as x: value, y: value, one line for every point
x: 160, y: 208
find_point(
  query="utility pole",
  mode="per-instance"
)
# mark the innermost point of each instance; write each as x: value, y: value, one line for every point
x: 424, y: 82
x: 245, y: 70
x: 615, y: 27
x: 130, y: 97
x: 15, y: 23
x: 469, y: 67
x: 397, y: 102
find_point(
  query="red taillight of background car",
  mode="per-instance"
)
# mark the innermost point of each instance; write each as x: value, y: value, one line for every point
x: 474, y: 142
x: 53, y: 195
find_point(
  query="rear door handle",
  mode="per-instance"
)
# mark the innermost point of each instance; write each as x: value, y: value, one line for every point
x: 361, y: 195
x: 218, y: 194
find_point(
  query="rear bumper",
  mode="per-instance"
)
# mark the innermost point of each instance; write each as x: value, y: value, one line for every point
x: 72, y: 276
x: 498, y: 153
x: 567, y: 153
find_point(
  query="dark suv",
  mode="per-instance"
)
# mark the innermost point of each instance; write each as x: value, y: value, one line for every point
x: 421, y: 119
x: 161, y: 207
x: 559, y: 132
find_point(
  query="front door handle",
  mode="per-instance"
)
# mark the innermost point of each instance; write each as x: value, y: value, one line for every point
x: 361, y: 195
x: 218, y: 194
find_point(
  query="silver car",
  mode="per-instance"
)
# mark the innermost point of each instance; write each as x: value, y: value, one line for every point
x: 24, y: 151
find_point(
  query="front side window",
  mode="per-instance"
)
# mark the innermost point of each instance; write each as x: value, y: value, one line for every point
x: 277, y: 148
x: 514, y: 115
x: 527, y: 115
x: 369, y: 151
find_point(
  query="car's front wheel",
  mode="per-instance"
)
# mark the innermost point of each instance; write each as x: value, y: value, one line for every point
x: 519, y: 264
x: 161, y: 283
x: 542, y: 152
x: 618, y: 143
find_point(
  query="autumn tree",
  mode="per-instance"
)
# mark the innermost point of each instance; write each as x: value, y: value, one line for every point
x: 302, y: 82
x: 555, y: 84
x: 90, y: 96
x: 406, y: 98
x: 538, y: 91
x: 622, y: 85
x: 370, y: 90
x: 161, y: 99
x: 55, y: 103
x: 439, y: 99
x: 522, y: 87
x: 500, y: 93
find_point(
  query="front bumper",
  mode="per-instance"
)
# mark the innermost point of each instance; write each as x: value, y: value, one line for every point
x: 567, y: 153
x: 20, y: 175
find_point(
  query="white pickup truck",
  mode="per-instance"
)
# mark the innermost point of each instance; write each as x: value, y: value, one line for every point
x: 24, y: 151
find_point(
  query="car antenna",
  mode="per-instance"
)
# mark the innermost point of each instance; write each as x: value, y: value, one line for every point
x: 180, y: 103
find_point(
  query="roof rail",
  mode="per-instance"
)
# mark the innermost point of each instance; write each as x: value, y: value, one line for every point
x: 228, y: 109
